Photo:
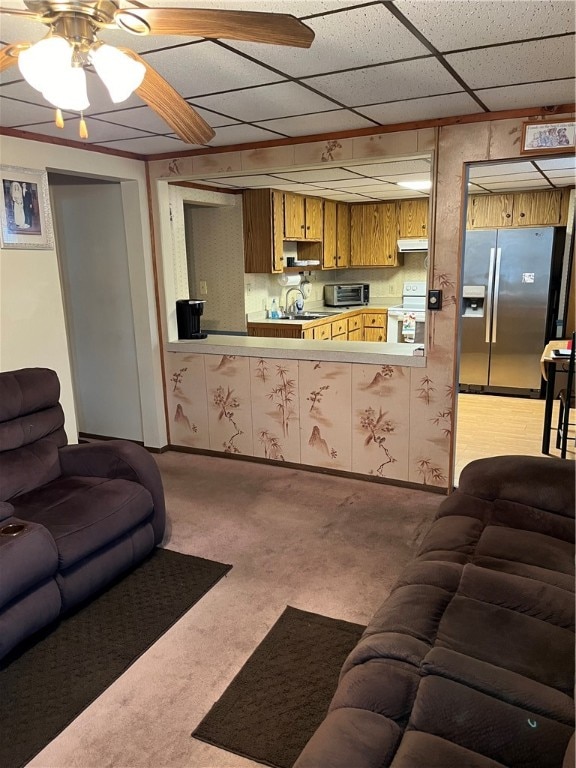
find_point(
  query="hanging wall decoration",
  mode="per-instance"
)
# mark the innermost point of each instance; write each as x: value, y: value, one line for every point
x: 25, y: 215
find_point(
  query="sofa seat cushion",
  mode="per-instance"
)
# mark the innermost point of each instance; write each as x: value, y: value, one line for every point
x: 26, y: 559
x: 84, y: 514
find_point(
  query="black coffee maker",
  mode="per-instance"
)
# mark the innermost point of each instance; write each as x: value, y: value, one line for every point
x: 188, y: 313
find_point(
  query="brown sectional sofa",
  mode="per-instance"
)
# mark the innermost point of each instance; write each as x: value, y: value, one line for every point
x: 469, y: 663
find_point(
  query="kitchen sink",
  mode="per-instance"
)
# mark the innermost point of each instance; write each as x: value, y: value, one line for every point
x: 308, y: 316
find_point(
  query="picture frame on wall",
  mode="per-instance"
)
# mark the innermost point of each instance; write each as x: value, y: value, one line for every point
x: 551, y: 136
x: 25, y: 214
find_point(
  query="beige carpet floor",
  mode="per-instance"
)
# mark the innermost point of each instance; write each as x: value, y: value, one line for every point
x: 320, y: 543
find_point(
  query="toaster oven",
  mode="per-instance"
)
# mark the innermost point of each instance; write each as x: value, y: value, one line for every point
x: 346, y: 294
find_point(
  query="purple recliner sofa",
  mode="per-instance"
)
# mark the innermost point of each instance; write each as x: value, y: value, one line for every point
x: 72, y: 517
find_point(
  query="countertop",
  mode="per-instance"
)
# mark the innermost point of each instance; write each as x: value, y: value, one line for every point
x: 334, y: 313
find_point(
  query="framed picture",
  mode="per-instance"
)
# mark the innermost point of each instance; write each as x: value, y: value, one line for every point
x: 551, y: 136
x: 25, y: 216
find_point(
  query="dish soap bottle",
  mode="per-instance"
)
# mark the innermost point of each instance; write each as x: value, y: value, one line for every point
x: 274, y: 314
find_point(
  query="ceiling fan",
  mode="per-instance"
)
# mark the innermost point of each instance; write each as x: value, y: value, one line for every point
x: 56, y: 64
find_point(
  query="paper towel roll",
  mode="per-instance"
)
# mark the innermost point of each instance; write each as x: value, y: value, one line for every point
x: 287, y: 280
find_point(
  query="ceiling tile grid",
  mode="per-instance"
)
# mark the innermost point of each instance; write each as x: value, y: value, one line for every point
x: 372, y: 63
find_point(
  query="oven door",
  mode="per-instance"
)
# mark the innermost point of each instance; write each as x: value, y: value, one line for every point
x: 395, y: 327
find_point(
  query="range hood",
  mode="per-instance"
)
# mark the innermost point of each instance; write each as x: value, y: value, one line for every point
x: 412, y: 244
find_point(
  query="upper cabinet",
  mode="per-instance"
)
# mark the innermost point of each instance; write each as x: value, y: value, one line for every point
x: 373, y: 235
x: 262, y: 211
x: 521, y: 209
x: 336, y: 236
x: 302, y: 217
x: 413, y: 218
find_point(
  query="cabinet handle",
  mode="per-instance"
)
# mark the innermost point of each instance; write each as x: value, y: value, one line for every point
x: 509, y: 214
x: 308, y: 227
x: 522, y: 215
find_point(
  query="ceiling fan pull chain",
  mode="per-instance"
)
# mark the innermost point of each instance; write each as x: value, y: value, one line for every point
x: 83, y: 130
x: 59, y: 120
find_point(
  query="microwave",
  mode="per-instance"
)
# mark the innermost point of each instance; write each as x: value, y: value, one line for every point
x: 346, y: 294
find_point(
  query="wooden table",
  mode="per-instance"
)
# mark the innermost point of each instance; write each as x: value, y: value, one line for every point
x: 548, y: 365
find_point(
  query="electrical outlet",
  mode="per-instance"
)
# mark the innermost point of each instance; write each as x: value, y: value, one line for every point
x: 203, y: 288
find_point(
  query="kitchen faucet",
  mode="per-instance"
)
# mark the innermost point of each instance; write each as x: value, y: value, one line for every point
x: 301, y: 292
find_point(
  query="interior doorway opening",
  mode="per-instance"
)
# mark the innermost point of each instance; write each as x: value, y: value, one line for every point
x: 516, y: 291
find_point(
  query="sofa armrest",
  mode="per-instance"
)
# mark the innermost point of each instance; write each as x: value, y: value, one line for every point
x: 536, y: 481
x: 6, y: 510
x: 119, y: 459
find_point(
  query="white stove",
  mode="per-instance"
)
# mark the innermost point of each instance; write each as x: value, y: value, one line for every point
x: 406, y: 322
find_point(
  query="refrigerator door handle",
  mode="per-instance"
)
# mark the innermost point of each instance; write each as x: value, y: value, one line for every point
x: 489, y: 297
x: 496, y: 295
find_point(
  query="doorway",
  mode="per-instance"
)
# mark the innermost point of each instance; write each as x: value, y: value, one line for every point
x: 504, y: 414
x: 93, y: 261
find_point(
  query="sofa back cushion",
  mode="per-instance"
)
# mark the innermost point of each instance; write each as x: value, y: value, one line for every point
x: 31, y: 430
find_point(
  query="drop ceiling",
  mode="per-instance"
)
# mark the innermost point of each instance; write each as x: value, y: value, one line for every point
x: 371, y: 64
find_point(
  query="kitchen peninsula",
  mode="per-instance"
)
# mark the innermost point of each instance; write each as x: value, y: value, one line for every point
x: 356, y: 324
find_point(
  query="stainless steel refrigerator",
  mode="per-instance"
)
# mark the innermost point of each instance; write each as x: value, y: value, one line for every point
x: 505, y: 308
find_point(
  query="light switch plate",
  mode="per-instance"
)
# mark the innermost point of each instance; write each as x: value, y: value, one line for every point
x: 435, y: 299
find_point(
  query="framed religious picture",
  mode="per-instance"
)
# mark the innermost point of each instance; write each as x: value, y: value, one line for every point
x: 552, y: 136
x: 25, y: 215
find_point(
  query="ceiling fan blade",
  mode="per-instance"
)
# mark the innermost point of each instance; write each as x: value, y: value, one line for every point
x: 170, y: 106
x: 20, y: 12
x: 9, y: 55
x: 252, y: 26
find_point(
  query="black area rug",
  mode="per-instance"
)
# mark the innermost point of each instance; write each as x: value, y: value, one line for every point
x: 280, y: 696
x: 47, y: 683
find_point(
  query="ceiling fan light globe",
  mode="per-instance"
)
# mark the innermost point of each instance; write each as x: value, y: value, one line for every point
x: 40, y: 63
x: 120, y: 74
x: 67, y: 90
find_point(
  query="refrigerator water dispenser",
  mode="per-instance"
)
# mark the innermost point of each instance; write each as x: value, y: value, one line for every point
x: 473, y: 297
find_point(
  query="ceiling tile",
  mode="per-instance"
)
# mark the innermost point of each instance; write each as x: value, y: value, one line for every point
x: 423, y: 77
x: 519, y: 63
x: 494, y: 169
x: 241, y: 134
x: 318, y: 174
x: 257, y: 180
x: 485, y: 23
x: 266, y: 102
x: 293, y: 187
x: 376, y: 186
x: 147, y: 120
x: 396, y: 194
x: 346, y: 183
x: 392, y: 168
x: 422, y: 109
x: 505, y: 178
x: 206, y: 68
x: 519, y: 96
x: 352, y: 38
x: 297, y: 8
x: 556, y: 163
x: 15, y: 113
x: 97, y: 131
x: 566, y: 177
x: 18, y: 29
x: 321, y: 122
x: 517, y: 184
x: 152, y: 145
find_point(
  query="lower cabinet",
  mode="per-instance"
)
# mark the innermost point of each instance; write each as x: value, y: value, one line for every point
x: 357, y: 325
x: 375, y: 326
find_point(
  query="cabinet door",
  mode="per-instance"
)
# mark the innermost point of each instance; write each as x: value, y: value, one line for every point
x: 489, y: 211
x: 538, y: 209
x: 342, y: 234
x: 262, y: 214
x: 374, y: 334
x: 329, y: 239
x: 413, y: 218
x: 355, y: 323
x: 277, y: 232
x: 323, y: 331
x: 313, y: 218
x: 374, y: 320
x: 355, y: 335
x: 294, y: 227
x: 373, y: 235
x: 340, y: 328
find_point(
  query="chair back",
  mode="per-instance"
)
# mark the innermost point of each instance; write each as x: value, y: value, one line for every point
x: 31, y: 430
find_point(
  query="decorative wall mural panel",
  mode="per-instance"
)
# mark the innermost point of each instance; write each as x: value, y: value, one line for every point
x: 380, y: 420
x: 325, y: 414
x: 229, y: 408
x: 187, y: 413
x: 275, y: 409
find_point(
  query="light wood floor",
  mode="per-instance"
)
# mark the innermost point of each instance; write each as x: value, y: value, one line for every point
x: 490, y: 425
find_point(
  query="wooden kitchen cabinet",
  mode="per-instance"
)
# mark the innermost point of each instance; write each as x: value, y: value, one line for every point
x: 323, y: 331
x: 489, y: 211
x: 262, y: 211
x: 329, y: 249
x: 413, y: 218
x: 342, y: 235
x: 541, y: 208
x: 340, y: 328
x: 374, y: 326
x: 302, y: 217
x: 373, y: 235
